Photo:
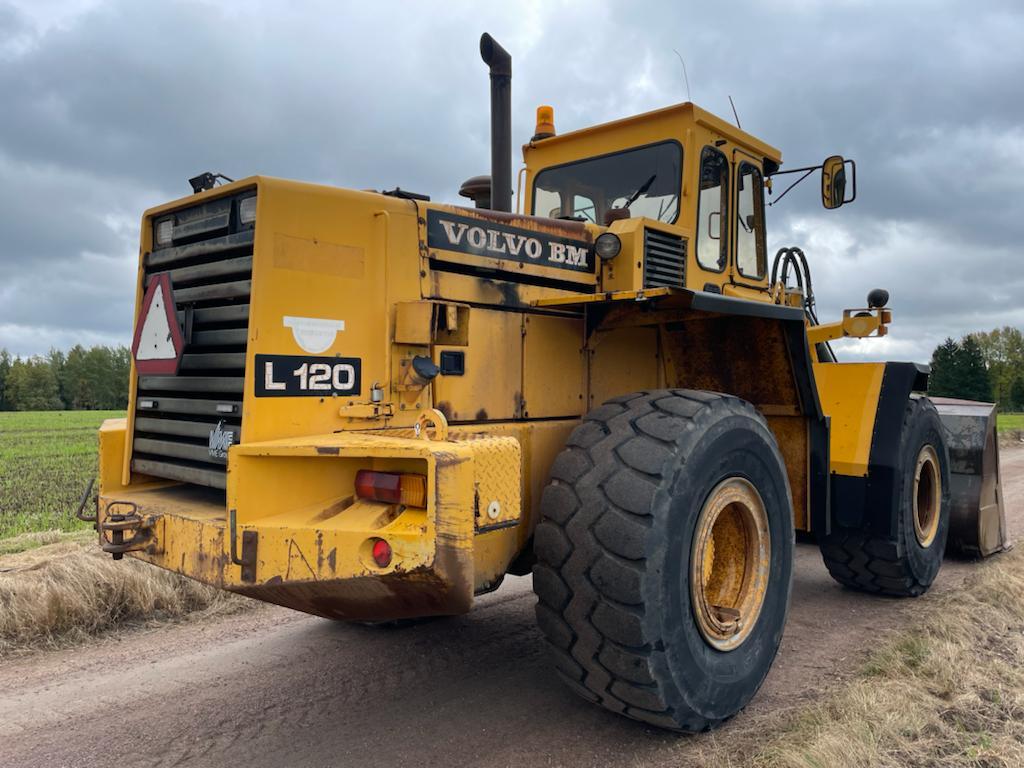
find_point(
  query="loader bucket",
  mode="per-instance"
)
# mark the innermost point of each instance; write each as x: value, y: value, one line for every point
x: 977, y: 523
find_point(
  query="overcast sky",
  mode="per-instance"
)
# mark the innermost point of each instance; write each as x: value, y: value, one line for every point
x: 106, y: 108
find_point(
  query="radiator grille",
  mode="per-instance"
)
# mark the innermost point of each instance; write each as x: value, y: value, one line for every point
x: 664, y: 260
x: 210, y: 265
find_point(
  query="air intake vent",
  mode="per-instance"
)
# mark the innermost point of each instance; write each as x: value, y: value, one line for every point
x: 664, y: 260
x: 185, y: 423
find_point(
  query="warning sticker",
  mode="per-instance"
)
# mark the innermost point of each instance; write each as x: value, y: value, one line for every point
x: 158, y: 344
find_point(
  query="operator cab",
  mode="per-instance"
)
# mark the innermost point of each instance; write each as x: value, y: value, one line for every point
x: 687, y: 173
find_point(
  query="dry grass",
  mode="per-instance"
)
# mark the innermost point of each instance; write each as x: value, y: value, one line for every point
x: 947, y: 691
x: 59, y: 594
x: 25, y: 541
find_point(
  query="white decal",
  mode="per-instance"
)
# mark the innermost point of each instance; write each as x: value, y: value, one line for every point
x: 220, y: 440
x: 322, y: 376
x: 454, y: 237
x: 268, y: 378
x: 349, y: 374
x: 514, y: 242
x: 492, y: 242
x: 487, y: 241
x: 313, y: 334
x: 575, y: 255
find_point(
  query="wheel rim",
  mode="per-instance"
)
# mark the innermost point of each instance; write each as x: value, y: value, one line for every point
x: 729, y: 563
x: 927, y: 496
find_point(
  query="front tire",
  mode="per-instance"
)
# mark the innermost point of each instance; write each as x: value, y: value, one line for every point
x: 665, y: 557
x: 907, y: 565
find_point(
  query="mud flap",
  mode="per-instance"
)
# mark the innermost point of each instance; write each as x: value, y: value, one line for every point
x: 977, y: 521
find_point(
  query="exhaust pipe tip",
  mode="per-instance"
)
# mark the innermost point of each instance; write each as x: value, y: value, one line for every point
x: 495, y: 57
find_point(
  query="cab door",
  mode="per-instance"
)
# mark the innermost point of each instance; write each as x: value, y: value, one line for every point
x: 712, y: 229
x: 749, y: 263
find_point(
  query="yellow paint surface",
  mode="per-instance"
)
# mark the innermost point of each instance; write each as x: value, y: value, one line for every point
x: 849, y: 395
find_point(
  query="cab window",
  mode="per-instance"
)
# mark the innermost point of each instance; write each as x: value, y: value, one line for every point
x: 712, y: 203
x: 751, y: 259
x: 646, y: 180
x: 555, y: 206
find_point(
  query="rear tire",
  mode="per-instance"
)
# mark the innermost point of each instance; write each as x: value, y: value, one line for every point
x: 645, y: 483
x: 906, y: 566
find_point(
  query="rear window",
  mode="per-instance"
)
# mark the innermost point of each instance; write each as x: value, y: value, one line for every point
x: 646, y: 179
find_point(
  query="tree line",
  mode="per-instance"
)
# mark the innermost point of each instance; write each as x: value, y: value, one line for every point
x: 80, y: 379
x: 981, y: 366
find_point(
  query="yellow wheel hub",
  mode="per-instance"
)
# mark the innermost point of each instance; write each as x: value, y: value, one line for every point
x: 927, y: 496
x: 729, y: 563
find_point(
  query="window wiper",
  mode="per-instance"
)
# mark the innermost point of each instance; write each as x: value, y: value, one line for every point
x: 646, y: 185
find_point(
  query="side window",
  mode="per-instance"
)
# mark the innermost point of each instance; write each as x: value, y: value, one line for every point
x: 712, y: 249
x: 751, y: 259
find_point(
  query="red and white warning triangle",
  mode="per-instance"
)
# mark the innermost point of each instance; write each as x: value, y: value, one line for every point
x: 158, y: 344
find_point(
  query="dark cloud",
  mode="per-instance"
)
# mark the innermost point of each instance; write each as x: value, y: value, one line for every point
x: 110, y: 107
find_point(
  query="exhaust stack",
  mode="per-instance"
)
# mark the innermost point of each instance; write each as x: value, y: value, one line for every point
x: 500, y: 64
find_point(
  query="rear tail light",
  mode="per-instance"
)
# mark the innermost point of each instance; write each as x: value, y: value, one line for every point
x: 392, y: 487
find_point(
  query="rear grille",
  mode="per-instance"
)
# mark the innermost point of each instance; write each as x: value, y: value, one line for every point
x: 210, y: 265
x: 664, y: 260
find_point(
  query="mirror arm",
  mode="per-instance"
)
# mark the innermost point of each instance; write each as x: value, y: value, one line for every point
x: 807, y: 172
x: 793, y: 170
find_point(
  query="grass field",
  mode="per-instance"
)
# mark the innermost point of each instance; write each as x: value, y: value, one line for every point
x: 46, y: 459
x: 1010, y: 421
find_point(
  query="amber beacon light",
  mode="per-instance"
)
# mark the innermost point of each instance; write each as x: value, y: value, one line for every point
x: 545, y: 123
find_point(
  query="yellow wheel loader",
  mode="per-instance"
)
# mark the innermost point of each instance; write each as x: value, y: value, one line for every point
x: 369, y: 406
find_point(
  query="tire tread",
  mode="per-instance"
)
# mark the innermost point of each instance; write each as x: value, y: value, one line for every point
x: 870, y: 563
x: 625, y: 446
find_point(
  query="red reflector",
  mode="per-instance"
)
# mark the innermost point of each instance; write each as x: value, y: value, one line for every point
x: 382, y: 553
x: 379, y: 486
x: 392, y: 487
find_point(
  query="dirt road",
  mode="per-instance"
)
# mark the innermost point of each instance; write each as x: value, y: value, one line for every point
x: 276, y: 688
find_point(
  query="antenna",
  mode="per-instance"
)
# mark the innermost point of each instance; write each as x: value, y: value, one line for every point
x: 734, y: 114
x: 685, y: 78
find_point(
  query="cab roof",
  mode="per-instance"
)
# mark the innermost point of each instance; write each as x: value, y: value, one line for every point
x: 646, y: 127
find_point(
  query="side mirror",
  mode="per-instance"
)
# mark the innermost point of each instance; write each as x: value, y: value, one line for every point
x: 833, y: 181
